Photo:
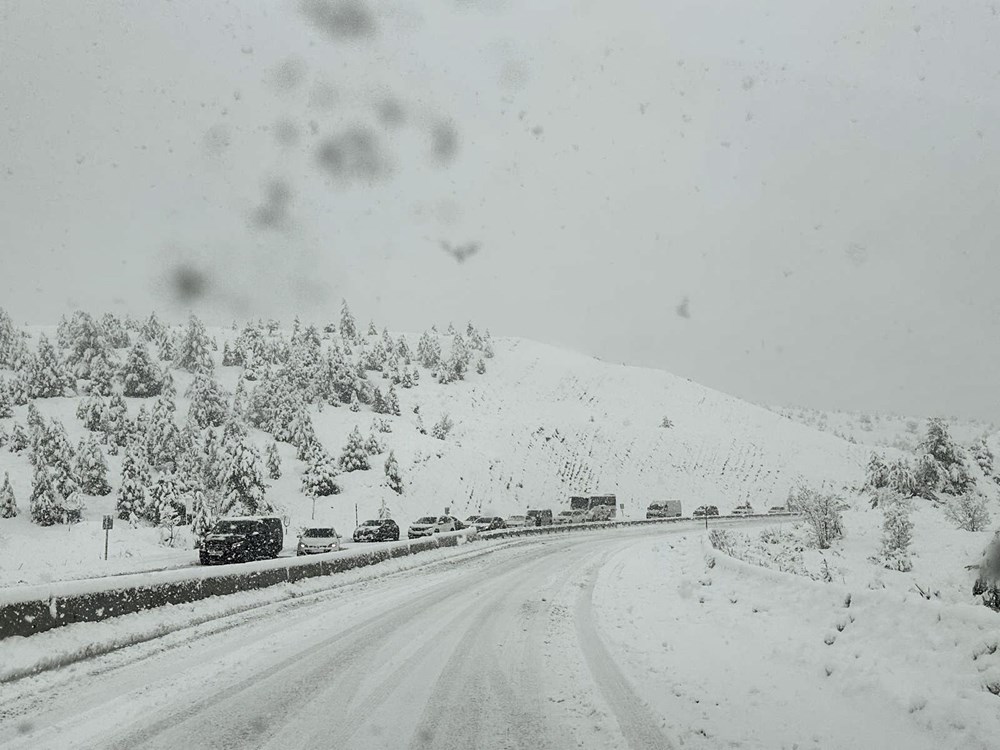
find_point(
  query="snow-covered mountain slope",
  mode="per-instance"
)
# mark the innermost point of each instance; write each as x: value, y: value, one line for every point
x: 539, y: 425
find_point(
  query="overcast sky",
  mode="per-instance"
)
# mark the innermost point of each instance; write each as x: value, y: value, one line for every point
x: 793, y: 202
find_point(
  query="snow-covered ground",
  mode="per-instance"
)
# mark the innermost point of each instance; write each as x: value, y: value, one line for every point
x: 605, y: 640
x: 540, y: 425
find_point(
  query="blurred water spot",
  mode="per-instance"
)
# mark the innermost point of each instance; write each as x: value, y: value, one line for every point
x: 188, y: 283
x: 390, y: 112
x: 217, y: 138
x: 684, y: 308
x: 25, y: 727
x: 460, y: 252
x: 286, y: 132
x: 288, y: 74
x: 355, y: 153
x: 340, y: 19
x: 323, y: 95
x: 273, y: 213
x: 444, y: 138
x: 748, y: 83
x: 513, y: 75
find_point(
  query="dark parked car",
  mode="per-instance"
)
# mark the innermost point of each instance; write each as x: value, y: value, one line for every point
x: 242, y: 540
x: 539, y: 517
x: 705, y: 510
x: 385, y: 530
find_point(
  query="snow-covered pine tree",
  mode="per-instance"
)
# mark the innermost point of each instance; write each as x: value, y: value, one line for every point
x: 273, y: 462
x: 460, y: 356
x: 211, y: 460
x: 876, y: 473
x: 303, y: 436
x: 442, y: 427
x: 209, y: 406
x: 6, y: 402
x: 897, y: 534
x: 89, y: 351
x: 428, y: 350
x: 48, y: 377
x: 203, y: 510
x: 231, y: 356
x: 451, y: 329
x: 114, y: 331
x: 378, y: 402
x: 45, y: 503
x: 981, y: 452
x: 194, y: 350
x: 91, y: 468
x: 19, y: 440
x: 372, y: 445
x: 165, y: 348
x: 242, y: 478
x: 164, y: 439
x: 10, y: 340
x: 54, y: 480
x: 153, y: 330
x: 132, y: 493
x: 348, y: 328
x: 901, y: 479
x: 372, y: 330
x: 392, y: 402
x: 393, y: 477
x: 481, y: 366
x: 8, y: 503
x: 488, y: 346
x: 355, y: 403
x: 320, y: 477
x: 355, y: 457
x: 140, y: 375
x: 164, y: 501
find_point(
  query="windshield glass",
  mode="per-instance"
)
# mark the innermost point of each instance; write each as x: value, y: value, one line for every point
x: 426, y: 520
x: 372, y: 523
x: 319, y: 533
x: 235, y: 527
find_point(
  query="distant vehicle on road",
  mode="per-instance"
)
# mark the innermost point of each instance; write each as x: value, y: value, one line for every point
x: 459, y: 525
x: 743, y: 510
x: 430, y: 525
x: 516, y: 522
x: 539, y: 517
x: 375, y: 530
x: 241, y: 539
x: 666, y: 509
x: 571, y: 516
x: 490, y: 523
x: 775, y: 509
x: 705, y: 510
x: 471, y: 520
x: 316, y: 540
x: 596, y: 507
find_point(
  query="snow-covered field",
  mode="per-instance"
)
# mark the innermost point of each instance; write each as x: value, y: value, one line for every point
x: 539, y: 425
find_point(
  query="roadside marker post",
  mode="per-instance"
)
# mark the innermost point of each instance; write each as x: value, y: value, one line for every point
x: 109, y: 522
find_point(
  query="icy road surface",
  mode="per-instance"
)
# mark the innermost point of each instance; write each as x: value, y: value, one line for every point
x: 561, y: 642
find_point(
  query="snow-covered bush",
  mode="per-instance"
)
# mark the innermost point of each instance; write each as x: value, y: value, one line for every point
x: 442, y: 427
x: 723, y: 541
x: 968, y: 511
x: 821, y: 513
x: 897, y: 534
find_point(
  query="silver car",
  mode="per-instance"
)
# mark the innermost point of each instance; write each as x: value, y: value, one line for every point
x: 316, y: 540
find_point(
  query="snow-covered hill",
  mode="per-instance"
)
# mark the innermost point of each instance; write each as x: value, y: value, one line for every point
x: 539, y: 425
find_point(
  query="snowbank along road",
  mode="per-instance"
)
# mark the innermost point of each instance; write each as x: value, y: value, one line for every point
x: 594, y: 641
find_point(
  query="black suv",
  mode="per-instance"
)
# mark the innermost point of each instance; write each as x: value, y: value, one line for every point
x: 242, y: 540
x: 385, y: 530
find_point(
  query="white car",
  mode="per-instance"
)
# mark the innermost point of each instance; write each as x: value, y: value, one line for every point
x: 316, y: 540
x: 570, y: 516
x: 429, y: 525
x: 516, y: 522
x: 743, y: 510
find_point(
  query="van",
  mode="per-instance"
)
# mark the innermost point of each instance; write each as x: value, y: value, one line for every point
x: 241, y: 539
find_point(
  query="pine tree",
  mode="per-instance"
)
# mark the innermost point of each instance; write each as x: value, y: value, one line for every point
x: 211, y: 461
x: 114, y: 420
x: 91, y: 468
x: 48, y: 377
x: 194, y: 353
x: 460, y: 357
x: 19, y: 440
x: 89, y: 351
x: 153, y: 330
x: 45, y: 503
x: 303, y: 436
x: 319, y: 479
x: 981, y: 452
x: 114, y: 331
x: 428, y: 350
x: 877, y: 473
x: 140, y: 376
x: 273, y: 462
x: 372, y: 445
x: 54, y: 482
x: 488, y: 346
x: 132, y: 497
x: 372, y: 330
x: 208, y: 402
x: 355, y: 404
x: 168, y: 388
x: 165, y: 348
x: 231, y: 356
x: 481, y: 366
x: 10, y: 340
x: 348, y: 328
x: 378, y: 402
x: 8, y: 504
x: 204, y: 509
x: 442, y: 427
x: 6, y: 402
x: 164, y: 439
x: 164, y: 501
x: 897, y: 534
x: 242, y: 479
x: 393, y: 478
x: 355, y: 457
x: 392, y: 402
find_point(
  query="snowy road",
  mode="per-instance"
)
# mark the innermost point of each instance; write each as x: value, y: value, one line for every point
x: 604, y: 640
x: 454, y: 655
